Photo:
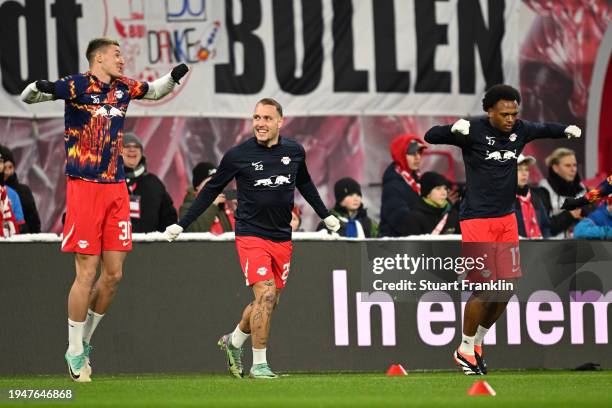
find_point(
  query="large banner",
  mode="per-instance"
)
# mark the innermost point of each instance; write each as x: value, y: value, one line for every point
x: 562, y: 63
x: 318, y: 57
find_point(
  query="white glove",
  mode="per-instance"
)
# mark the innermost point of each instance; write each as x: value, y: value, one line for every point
x: 572, y: 131
x: 461, y: 126
x: 172, y: 232
x: 332, y: 223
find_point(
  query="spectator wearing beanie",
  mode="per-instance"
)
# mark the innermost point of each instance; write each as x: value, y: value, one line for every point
x: 354, y: 220
x: 433, y: 214
x: 219, y: 217
x: 401, y: 185
x: 151, y: 207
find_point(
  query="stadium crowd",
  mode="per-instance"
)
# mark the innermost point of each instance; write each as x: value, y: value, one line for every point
x: 413, y: 202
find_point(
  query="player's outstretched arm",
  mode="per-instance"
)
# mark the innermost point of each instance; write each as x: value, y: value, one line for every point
x: 572, y: 203
x: 603, y: 189
x: 228, y: 168
x: 164, y: 85
x: 550, y: 131
x: 309, y: 191
x: 39, y: 91
x: 456, y: 134
x: 572, y: 131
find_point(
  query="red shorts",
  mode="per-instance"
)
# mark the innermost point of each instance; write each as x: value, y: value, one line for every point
x: 262, y: 260
x: 496, y: 241
x: 97, y: 217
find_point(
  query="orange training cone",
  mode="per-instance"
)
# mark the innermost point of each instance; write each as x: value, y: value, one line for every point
x: 396, y: 369
x: 481, y: 388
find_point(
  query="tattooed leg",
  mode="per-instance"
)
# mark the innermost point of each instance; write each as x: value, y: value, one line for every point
x: 261, y: 312
x: 245, y: 322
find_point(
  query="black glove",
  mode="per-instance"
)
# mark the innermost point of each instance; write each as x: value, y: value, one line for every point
x: 45, y: 86
x: 572, y: 203
x: 178, y: 72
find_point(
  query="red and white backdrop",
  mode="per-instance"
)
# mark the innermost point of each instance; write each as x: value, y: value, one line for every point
x: 351, y: 75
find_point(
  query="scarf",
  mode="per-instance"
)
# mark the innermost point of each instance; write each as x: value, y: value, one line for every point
x: 398, y: 148
x: 8, y: 223
x: 436, y: 205
x: 416, y: 187
x: 351, y: 228
x: 133, y: 173
x: 532, y: 229
x: 446, y: 210
x: 563, y: 187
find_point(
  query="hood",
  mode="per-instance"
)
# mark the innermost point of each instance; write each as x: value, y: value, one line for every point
x: 398, y: 148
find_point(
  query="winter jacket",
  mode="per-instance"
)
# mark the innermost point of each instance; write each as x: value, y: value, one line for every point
x: 156, y: 208
x: 598, y: 225
x: 541, y: 215
x: 554, y: 190
x: 424, y: 218
x: 214, y: 215
x: 396, y: 202
x: 30, y: 212
x: 17, y: 209
x: 398, y: 197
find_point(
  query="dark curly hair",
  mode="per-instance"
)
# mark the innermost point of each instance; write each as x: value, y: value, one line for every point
x: 499, y: 92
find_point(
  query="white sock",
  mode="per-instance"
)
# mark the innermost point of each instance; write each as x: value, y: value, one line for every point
x: 91, y: 323
x: 467, y: 345
x: 259, y: 356
x: 481, y: 332
x: 75, y: 337
x: 239, y: 337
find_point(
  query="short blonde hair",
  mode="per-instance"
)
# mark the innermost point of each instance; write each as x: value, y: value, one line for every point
x: 271, y: 102
x: 557, y: 154
x: 97, y: 43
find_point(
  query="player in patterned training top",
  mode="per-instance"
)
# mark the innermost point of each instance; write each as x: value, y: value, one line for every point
x: 97, y: 222
x: 267, y: 168
x: 602, y: 190
x: 490, y: 148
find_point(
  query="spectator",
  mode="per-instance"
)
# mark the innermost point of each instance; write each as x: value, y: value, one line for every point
x: 354, y: 220
x: 28, y: 205
x: 218, y: 217
x: 598, y: 224
x: 17, y: 209
x: 151, y: 207
x: 296, y: 219
x: 563, y: 182
x: 401, y: 188
x: 531, y: 215
x: 433, y: 214
x: 8, y: 224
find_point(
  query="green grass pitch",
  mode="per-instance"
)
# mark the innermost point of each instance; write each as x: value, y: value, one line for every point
x: 424, y: 389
